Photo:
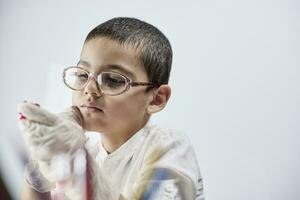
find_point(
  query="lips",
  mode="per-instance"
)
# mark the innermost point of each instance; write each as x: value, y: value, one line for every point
x: 91, y: 107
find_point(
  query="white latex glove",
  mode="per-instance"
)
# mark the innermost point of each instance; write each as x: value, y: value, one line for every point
x: 35, y: 179
x: 48, y: 135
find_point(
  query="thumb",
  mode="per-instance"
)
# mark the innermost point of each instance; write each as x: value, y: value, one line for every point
x: 35, y: 113
x: 72, y: 113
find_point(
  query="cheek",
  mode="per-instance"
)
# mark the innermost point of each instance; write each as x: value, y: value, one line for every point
x: 121, y: 109
x: 127, y: 109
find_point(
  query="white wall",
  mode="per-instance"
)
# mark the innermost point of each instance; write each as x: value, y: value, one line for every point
x: 235, y: 81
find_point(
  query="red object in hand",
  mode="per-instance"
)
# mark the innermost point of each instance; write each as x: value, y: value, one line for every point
x: 22, y: 117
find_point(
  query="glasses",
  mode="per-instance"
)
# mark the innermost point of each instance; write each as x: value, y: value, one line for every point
x: 110, y: 83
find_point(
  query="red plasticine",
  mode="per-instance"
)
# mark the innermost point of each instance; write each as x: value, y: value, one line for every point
x: 22, y: 117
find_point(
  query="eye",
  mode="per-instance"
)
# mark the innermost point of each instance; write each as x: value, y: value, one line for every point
x: 113, y: 80
x: 82, y: 76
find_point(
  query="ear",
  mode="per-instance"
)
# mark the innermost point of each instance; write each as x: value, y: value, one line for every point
x: 159, y: 99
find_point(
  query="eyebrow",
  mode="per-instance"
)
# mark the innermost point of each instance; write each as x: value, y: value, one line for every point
x: 117, y: 67
x: 84, y: 63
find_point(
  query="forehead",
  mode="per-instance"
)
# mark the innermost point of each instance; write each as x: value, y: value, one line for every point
x: 101, y: 54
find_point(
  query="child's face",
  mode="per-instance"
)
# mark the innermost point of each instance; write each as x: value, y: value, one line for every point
x: 124, y: 113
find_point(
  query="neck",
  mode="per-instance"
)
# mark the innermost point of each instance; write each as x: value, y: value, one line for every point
x: 112, y: 142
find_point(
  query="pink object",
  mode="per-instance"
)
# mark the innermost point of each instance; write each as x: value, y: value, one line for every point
x: 21, y: 116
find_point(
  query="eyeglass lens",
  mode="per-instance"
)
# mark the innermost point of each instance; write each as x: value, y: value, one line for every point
x: 109, y: 82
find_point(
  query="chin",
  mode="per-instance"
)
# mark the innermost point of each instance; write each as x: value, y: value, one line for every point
x: 89, y: 125
x: 91, y: 128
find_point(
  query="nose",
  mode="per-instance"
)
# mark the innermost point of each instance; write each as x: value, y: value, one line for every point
x: 92, y: 88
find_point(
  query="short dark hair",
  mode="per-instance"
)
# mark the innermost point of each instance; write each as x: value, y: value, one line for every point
x: 154, y: 48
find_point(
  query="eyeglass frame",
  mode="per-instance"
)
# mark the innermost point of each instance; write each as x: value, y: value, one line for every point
x: 128, y: 82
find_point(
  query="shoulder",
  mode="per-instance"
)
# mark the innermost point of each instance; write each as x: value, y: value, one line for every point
x: 172, y: 143
x: 166, y: 137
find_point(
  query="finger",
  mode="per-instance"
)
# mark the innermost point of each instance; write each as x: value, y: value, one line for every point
x: 32, y: 129
x: 38, y: 105
x: 23, y: 125
x: 22, y: 117
x: 72, y: 113
x: 35, y: 113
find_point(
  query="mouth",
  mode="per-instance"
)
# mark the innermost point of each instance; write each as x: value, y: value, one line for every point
x: 91, y: 108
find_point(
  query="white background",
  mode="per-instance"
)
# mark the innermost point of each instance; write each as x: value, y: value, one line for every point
x: 235, y: 82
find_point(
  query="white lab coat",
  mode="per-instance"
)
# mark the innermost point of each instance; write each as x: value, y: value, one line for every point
x: 123, y: 166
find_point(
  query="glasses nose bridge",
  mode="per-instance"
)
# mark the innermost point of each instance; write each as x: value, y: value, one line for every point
x: 93, y: 75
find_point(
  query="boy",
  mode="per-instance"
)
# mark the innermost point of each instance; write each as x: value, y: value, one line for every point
x: 119, y: 82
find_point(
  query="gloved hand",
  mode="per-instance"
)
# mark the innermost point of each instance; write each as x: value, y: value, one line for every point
x: 35, y: 179
x: 48, y: 135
